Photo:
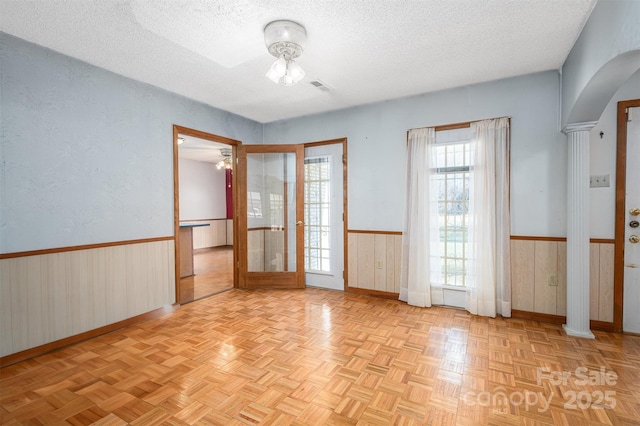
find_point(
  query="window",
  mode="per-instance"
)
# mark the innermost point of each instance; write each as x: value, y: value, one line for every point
x: 452, y: 177
x: 254, y: 204
x: 317, y: 201
x: 457, y: 217
x: 277, y: 211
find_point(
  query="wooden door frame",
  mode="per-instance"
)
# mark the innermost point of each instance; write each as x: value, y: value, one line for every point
x: 345, y: 242
x: 180, y: 130
x: 620, y: 214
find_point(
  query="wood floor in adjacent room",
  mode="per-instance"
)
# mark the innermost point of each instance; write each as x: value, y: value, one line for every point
x: 213, y: 273
x: 318, y: 357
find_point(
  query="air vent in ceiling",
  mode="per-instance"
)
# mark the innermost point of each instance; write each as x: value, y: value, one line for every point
x: 321, y: 85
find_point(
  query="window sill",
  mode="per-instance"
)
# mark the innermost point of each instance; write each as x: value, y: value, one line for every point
x: 450, y: 287
x: 319, y: 273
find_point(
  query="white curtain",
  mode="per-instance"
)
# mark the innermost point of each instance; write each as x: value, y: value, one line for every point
x: 420, y: 254
x: 488, y: 267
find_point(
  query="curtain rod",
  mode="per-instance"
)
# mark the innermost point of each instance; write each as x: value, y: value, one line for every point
x: 457, y: 125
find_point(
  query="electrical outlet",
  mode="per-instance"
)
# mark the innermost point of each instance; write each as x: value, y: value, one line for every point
x: 599, y: 181
x: 378, y: 263
x: 553, y: 281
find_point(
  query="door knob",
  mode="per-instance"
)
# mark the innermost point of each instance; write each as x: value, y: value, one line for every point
x: 634, y: 212
x: 299, y: 223
x: 634, y: 223
x: 634, y: 239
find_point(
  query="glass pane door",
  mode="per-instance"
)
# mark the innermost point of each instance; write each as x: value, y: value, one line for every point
x: 271, y: 218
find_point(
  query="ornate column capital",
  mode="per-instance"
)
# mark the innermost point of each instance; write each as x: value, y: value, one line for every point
x: 579, y: 127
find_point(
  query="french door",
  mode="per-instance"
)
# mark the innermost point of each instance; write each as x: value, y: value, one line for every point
x: 324, y: 214
x: 270, y: 216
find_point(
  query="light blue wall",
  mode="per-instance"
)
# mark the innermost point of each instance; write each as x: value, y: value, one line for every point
x: 87, y: 155
x: 603, y: 161
x: 605, y: 55
x: 377, y: 148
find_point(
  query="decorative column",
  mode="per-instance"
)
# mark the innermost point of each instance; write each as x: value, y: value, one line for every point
x: 578, y: 230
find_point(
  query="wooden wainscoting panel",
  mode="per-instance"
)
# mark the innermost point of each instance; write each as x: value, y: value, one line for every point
x: 374, y: 261
x: 366, y: 264
x: 58, y: 265
x: 522, y: 274
x: 390, y: 263
x: 605, y: 290
x: 19, y: 300
x: 117, y: 300
x: 229, y: 232
x: 352, y: 250
x: 80, y: 292
x: 255, y: 249
x: 37, y: 293
x: 398, y: 263
x: 136, y: 293
x: 380, y: 262
x: 146, y: 271
x: 7, y: 272
x: 53, y: 296
x: 594, y: 280
x: 221, y: 232
x: 545, y: 270
x: 534, y: 260
x: 17, y: 271
x: 186, y: 252
x: 203, y: 236
x: 214, y: 235
x: 541, y: 266
x: 100, y: 296
x: 561, y: 291
x: 157, y: 264
x: 8, y: 360
x: 270, y: 251
x: 274, y: 251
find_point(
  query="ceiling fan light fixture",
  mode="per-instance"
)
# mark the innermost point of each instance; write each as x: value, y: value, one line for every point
x: 277, y: 70
x: 295, y: 71
x: 226, y: 162
x: 285, y: 40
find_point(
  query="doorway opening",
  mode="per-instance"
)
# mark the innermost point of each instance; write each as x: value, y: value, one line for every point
x: 288, y: 194
x: 204, y: 202
x: 325, y: 204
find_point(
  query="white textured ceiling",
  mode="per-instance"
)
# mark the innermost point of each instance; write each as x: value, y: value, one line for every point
x: 366, y: 50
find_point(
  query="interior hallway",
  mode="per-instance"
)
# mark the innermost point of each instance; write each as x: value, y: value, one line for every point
x: 320, y: 357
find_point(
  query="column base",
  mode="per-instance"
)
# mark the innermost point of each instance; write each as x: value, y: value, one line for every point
x: 584, y: 334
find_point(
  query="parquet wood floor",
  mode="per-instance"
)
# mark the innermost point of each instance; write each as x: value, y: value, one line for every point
x: 314, y: 357
x: 213, y: 270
